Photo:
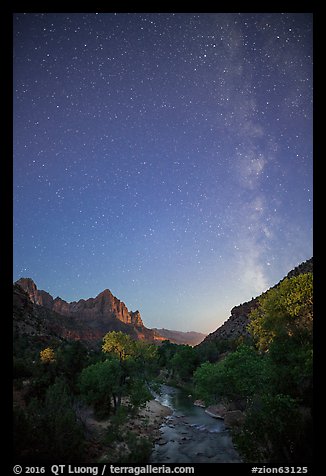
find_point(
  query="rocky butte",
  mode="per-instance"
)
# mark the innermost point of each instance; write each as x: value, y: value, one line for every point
x: 87, y: 320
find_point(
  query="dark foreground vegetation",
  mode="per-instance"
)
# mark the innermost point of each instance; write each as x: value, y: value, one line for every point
x: 268, y: 378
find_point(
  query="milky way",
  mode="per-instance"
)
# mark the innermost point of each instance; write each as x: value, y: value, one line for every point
x: 167, y: 157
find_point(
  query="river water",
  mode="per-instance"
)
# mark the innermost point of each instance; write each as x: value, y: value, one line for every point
x: 189, y: 435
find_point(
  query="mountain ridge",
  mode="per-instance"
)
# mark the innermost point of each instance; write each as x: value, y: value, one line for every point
x: 36, y: 312
x: 86, y: 319
x: 181, y: 337
x: 236, y: 325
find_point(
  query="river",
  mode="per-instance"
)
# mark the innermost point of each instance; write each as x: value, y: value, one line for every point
x: 189, y: 435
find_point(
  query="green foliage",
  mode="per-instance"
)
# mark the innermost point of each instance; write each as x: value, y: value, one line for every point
x: 275, y: 432
x: 21, y: 368
x: 123, y: 374
x: 114, y: 432
x: 207, y: 382
x: 22, y: 432
x: 43, y: 377
x: 208, y: 352
x: 140, y: 449
x: 71, y: 358
x: 100, y: 383
x: 284, y: 310
x: 239, y: 375
x: 42, y: 431
x: 184, y: 362
x: 272, y: 379
x: 290, y: 365
x: 282, y: 327
x: 62, y: 423
x: 119, y: 344
x: 276, y: 384
x: 138, y: 394
x: 211, y: 351
x: 165, y: 353
x: 243, y: 372
x: 113, y: 380
x: 29, y: 347
x: 146, y: 356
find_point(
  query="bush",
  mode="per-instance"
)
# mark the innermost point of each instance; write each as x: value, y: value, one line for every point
x: 140, y: 449
x: 275, y: 432
x: 49, y: 430
x: 239, y: 375
x: 21, y: 368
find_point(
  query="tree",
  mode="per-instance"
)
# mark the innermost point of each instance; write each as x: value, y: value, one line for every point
x: 71, y: 358
x: 290, y: 367
x: 239, y: 375
x: 285, y: 310
x: 119, y: 344
x: 137, y: 358
x: 100, y: 385
x: 47, y: 355
x: 124, y: 373
x: 278, y: 420
x: 244, y: 373
x: 282, y: 328
x: 49, y: 429
x: 208, y: 352
x: 275, y: 432
x: 184, y: 361
x: 145, y: 356
x: 62, y: 423
x: 165, y: 353
x: 207, y: 382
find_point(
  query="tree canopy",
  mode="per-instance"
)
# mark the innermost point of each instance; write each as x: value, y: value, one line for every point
x: 285, y: 310
x: 119, y: 344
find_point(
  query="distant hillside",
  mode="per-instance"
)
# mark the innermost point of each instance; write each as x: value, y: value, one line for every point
x: 177, y: 337
x: 236, y: 324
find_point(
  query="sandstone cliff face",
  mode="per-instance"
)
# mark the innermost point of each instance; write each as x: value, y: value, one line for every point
x: 88, y: 320
x: 28, y: 285
x: 103, y: 305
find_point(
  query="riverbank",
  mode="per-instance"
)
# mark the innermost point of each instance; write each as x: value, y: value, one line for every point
x: 148, y: 422
x: 135, y: 435
x: 168, y: 429
x: 155, y: 412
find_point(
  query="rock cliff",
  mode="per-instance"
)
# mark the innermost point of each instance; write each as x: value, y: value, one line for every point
x: 87, y: 320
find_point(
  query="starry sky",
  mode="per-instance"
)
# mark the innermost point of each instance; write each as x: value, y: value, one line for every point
x: 165, y: 156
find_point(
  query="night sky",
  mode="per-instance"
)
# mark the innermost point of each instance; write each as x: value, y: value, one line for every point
x: 167, y: 157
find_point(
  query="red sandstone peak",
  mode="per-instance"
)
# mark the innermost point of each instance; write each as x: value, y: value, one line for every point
x: 96, y: 315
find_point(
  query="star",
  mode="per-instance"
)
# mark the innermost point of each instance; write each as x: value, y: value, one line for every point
x: 175, y: 146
